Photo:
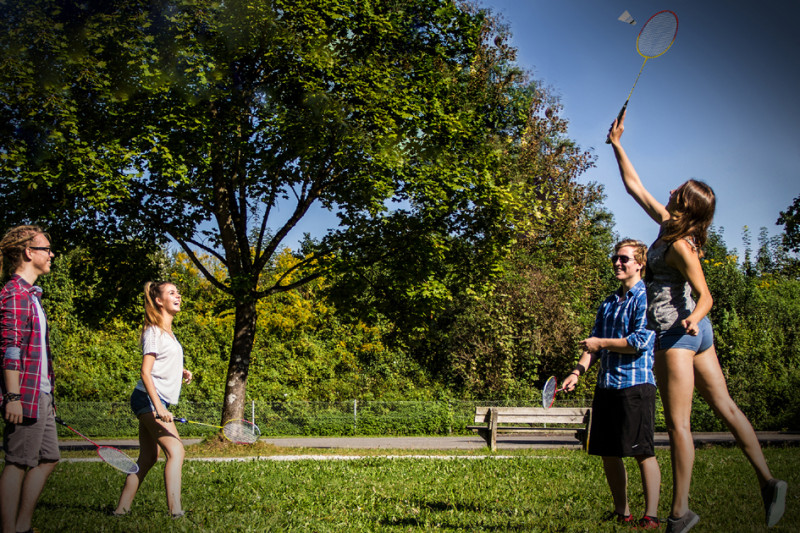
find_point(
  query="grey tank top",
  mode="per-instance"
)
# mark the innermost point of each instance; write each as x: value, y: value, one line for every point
x: 669, y: 295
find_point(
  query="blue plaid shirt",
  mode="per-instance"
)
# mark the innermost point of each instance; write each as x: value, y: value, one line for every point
x: 625, y: 319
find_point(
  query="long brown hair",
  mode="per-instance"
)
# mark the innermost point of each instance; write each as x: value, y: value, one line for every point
x: 152, y: 312
x: 691, y: 212
x: 14, y: 243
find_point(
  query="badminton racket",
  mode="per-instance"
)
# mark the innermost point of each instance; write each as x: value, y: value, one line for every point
x: 655, y: 38
x: 109, y: 454
x: 238, y: 431
x: 549, y: 392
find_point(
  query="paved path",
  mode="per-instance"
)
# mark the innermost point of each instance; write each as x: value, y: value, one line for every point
x: 504, y: 442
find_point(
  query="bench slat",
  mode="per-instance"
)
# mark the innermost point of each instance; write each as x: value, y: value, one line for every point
x: 532, y: 410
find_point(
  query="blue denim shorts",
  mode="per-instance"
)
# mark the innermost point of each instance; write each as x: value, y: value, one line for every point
x: 678, y: 338
x: 141, y: 404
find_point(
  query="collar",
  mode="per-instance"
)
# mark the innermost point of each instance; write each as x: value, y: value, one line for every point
x: 27, y: 287
x: 633, y: 291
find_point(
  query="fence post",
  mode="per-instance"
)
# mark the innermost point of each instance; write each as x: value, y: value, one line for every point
x: 253, y: 412
x: 450, y: 416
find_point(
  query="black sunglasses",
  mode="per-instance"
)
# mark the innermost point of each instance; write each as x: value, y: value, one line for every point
x: 40, y: 248
x: 622, y: 258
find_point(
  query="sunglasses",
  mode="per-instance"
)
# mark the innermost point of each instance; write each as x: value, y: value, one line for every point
x: 622, y: 259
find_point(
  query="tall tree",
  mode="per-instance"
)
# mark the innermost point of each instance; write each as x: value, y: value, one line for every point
x: 218, y: 125
x: 790, y: 220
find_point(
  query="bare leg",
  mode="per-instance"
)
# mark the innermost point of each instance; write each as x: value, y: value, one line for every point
x: 148, y: 455
x: 711, y: 385
x: 10, y: 489
x: 675, y: 376
x: 617, y: 479
x: 173, y: 470
x: 32, y: 486
x: 651, y: 483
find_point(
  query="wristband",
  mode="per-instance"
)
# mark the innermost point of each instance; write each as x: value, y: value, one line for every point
x: 11, y: 397
x: 580, y: 368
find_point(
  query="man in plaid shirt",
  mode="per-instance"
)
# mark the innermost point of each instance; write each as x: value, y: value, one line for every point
x: 623, y: 409
x: 30, y: 441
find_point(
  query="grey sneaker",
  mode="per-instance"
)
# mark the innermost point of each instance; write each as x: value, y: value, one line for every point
x: 682, y: 524
x: 774, y: 496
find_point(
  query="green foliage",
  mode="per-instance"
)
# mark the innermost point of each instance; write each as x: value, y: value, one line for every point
x: 757, y: 336
x: 220, y: 124
x: 790, y: 219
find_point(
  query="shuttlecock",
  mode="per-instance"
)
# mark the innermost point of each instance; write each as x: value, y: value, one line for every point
x: 626, y: 17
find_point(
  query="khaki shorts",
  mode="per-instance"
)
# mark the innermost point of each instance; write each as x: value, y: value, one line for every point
x: 35, y: 440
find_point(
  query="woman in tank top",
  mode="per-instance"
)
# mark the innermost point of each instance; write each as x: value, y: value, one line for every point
x: 685, y: 356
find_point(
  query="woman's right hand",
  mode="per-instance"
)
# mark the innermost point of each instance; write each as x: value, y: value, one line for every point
x: 164, y: 415
x: 616, y: 129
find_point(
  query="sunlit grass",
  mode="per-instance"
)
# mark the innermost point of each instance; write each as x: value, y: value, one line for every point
x: 529, y: 490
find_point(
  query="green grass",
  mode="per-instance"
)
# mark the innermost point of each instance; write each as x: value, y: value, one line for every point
x: 538, y: 490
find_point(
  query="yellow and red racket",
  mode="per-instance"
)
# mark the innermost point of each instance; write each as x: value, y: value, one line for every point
x: 655, y: 38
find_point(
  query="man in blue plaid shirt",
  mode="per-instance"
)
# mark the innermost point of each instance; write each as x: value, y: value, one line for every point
x: 623, y: 410
x: 30, y: 440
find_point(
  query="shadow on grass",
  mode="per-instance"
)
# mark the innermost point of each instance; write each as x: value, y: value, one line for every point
x: 442, y: 521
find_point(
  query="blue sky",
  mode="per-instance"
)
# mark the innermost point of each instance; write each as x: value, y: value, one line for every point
x: 720, y: 106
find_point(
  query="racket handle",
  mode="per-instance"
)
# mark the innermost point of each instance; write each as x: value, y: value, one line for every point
x: 175, y: 419
x: 619, y: 117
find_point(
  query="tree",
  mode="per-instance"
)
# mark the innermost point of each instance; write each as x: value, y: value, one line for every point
x: 218, y: 125
x: 790, y: 219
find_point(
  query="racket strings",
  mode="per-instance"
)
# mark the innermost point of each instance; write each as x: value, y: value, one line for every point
x: 241, y: 431
x: 549, y: 392
x: 117, y: 459
x: 657, y: 35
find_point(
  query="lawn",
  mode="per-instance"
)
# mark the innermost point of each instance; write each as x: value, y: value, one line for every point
x: 541, y: 490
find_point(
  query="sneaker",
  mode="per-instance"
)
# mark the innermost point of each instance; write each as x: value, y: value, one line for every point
x: 774, y: 496
x: 682, y: 524
x: 617, y: 517
x: 648, y: 522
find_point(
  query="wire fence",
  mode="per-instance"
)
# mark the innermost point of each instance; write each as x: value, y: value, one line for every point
x: 295, y: 418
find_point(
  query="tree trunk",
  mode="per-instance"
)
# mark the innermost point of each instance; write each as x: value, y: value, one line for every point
x: 236, y: 383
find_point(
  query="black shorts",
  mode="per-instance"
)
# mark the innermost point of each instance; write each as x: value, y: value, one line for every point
x: 623, y: 422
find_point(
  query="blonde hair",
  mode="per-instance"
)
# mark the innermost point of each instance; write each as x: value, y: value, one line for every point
x: 152, y: 312
x: 639, y: 249
x: 14, y: 243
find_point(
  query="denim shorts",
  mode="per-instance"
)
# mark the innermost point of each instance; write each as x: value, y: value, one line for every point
x: 141, y: 404
x: 678, y: 338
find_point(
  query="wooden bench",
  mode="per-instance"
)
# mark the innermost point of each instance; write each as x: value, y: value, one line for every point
x: 576, y: 420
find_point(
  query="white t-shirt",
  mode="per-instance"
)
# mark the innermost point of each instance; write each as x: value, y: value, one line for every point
x: 167, y: 370
x: 44, y: 385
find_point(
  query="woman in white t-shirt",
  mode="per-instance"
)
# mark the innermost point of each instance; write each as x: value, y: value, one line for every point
x: 159, y: 387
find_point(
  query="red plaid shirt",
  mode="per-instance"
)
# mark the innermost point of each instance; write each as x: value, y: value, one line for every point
x: 20, y: 342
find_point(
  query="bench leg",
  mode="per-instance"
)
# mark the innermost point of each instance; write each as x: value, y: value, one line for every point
x: 493, y: 428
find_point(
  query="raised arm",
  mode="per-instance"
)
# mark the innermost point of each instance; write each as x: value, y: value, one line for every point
x: 633, y: 184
